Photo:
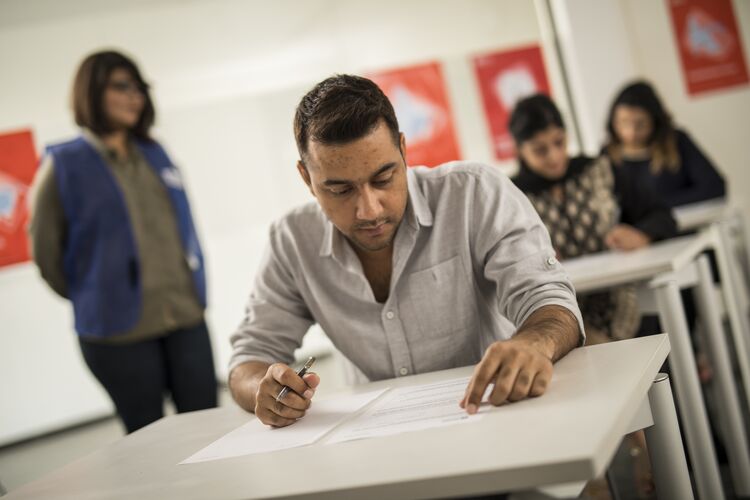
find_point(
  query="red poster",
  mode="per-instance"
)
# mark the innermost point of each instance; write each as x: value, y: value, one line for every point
x: 17, y: 166
x: 505, y: 78
x: 418, y: 95
x: 709, y: 44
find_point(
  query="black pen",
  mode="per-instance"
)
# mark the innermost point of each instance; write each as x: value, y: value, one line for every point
x: 300, y: 373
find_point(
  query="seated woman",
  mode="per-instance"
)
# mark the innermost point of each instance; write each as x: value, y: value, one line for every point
x: 588, y: 206
x: 642, y: 138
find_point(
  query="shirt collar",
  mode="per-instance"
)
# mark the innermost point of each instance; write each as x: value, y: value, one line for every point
x: 326, y: 248
x: 422, y: 213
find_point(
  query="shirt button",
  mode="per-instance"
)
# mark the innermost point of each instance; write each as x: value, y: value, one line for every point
x: 552, y: 261
x: 390, y: 315
x: 404, y: 370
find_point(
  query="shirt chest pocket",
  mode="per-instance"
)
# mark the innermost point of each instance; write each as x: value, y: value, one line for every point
x: 440, y: 300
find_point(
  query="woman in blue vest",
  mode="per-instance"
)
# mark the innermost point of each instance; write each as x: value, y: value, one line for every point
x: 112, y: 232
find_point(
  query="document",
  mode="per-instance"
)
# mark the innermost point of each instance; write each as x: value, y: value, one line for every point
x: 345, y: 418
x: 409, y: 409
x: 255, y: 437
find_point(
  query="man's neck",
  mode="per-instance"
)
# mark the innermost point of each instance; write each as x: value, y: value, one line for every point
x: 377, y: 266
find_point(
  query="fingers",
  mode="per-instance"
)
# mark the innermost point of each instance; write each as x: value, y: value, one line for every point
x: 295, y: 402
x: 517, y: 372
x: 522, y: 386
x: 288, y: 377
x: 276, y: 413
x: 505, y: 382
x: 625, y: 237
x: 611, y: 239
x: 540, y: 384
x: 312, y: 380
x: 484, y: 373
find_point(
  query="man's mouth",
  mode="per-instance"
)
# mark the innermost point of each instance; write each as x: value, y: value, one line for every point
x: 375, y: 230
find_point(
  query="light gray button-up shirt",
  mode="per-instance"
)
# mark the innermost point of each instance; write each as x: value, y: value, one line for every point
x: 469, y: 255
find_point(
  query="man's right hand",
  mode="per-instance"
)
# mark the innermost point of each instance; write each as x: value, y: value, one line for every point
x: 293, y: 405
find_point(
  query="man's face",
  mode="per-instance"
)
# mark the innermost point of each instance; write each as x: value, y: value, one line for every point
x: 361, y: 186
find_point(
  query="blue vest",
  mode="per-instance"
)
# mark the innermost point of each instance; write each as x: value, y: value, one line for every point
x: 100, y: 260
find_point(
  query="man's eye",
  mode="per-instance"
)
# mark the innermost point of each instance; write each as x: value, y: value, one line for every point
x: 341, y: 191
x: 382, y: 182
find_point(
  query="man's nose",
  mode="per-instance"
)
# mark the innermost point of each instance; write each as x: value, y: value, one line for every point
x: 369, y: 207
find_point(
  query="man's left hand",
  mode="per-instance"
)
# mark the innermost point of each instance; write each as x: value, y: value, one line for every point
x: 517, y: 367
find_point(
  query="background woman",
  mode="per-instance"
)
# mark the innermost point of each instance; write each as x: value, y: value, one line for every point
x: 112, y: 232
x: 641, y: 137
x: 588, y: 206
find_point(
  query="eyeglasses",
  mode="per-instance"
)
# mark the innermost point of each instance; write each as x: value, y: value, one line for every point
x: 128, y: 87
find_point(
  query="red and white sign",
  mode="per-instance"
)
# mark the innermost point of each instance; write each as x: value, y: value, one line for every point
x: 709, y: 44
x: 505, y: 78
x: 424, y: 115
x: 17, y: 166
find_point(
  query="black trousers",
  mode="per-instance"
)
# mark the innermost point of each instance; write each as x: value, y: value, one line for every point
x: 138, y: 376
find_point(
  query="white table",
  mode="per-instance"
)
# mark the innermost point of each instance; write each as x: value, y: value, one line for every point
x: 717, y: 221
x: 661, y: 270
x: 701, y: 214
x: 597, y: 395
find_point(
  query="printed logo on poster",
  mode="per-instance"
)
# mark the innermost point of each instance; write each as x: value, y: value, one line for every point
x: 504, y: 78
x: 17, y: 166
x: 423, y: 111
x: 709, y: 44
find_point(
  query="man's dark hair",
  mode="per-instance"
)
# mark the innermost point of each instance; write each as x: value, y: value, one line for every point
x: 341, y: 109
x: 532, y: 115
x: 89, y: 85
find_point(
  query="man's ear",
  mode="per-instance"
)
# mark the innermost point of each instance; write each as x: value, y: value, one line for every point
x: 402, y: 145
x: 302, y: 169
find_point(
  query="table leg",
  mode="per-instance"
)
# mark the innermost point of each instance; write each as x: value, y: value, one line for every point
x: 664, y: 444
x: 737, y: 318
x: 689, y: 397
x: 735, y: 437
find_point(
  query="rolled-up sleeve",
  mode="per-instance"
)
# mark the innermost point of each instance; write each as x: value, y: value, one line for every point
x: 276, y: 317
x: 518, y: 256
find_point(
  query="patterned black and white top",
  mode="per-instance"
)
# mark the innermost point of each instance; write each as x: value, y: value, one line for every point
x: 579, y: 210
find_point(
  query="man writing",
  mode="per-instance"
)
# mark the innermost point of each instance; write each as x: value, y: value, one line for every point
x: 406, y: 270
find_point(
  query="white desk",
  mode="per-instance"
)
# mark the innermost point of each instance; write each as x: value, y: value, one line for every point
x: 661, y: 269
x: 704, y: 213
x: 717, y: 221
x: 607, y: 269
x: 570, y: 434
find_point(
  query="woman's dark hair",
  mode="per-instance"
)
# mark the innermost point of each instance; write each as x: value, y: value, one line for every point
x: 662, y: 142
x: 532, y: 115
x: 341, y: 109
x: 91, y: 81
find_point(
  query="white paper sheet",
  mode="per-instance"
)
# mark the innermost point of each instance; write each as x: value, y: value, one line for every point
x: 408, y: 409
x: 254, y: 437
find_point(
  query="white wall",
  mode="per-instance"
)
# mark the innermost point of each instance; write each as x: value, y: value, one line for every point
x: 226, y: 77
x: 597, y: 57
